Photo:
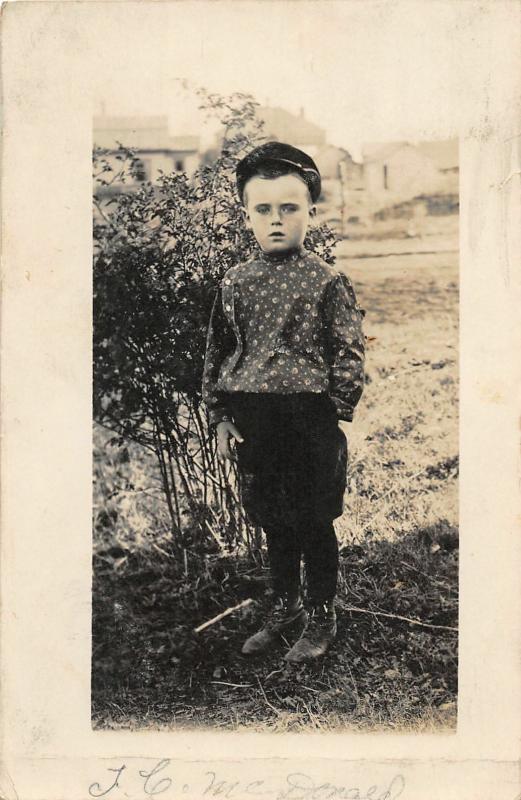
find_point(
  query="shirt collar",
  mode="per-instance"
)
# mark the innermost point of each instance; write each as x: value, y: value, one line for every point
x: 281, y: 258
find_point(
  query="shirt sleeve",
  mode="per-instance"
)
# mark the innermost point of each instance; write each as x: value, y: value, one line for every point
x: 219, y: 343
x: 346, y: 346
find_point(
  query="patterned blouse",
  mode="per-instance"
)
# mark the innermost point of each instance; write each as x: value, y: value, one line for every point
x: 283, y: 324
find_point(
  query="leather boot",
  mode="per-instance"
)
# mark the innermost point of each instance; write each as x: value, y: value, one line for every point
x: 317, y: 635
x: 287, y: 618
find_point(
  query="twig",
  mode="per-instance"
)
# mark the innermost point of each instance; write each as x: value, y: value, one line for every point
x: 221, y: 616
x: 426, y: 575
x: 276, y: 710
x: 274, y: 672
x: 312, y: 717
x: 233, y: 685
x: 160, y: 550
x: 355, y: 687
x: 397, y: 616
x: 214, y: 534
x: 208, y: 474
x: 133, y: 492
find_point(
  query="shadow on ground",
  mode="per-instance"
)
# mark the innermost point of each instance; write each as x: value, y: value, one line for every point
x: 150, y: 669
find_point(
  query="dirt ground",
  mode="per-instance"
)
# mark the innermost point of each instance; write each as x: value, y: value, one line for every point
x: 394, y: 663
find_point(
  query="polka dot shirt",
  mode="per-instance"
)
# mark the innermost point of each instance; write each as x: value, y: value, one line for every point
x: 284, y: 324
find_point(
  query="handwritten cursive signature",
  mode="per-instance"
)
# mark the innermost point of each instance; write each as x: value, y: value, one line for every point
x: 160, y: 780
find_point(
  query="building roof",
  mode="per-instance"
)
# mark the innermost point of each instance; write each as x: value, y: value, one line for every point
x: 328, y: 157
x: 283, y: 126
x: 443, y: 153
x: 143, y: 133
x: 333, y: 149
x: 379, y: 151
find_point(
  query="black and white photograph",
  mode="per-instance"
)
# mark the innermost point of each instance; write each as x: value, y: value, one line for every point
x: 260, y: 460
x: 275, y: 366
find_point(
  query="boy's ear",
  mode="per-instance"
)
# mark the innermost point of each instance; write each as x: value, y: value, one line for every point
x: 246, y: 216
x: 312, y: 211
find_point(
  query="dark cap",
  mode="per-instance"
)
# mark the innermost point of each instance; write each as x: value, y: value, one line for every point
x: 278, y: 154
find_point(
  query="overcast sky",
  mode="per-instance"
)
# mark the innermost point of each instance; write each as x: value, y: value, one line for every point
x: 363, y: 70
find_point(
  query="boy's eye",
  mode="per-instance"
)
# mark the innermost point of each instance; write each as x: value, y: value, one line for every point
x: 262, y: 209
x: 289, y: 208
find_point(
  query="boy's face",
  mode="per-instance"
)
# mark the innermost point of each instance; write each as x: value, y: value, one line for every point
x: 278, y: 211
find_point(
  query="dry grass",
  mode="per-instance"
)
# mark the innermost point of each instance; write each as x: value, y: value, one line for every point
x: 399, y: 553
x: 404, y: 443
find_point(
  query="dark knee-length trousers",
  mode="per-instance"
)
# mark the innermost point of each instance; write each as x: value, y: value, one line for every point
x: 292, y: 470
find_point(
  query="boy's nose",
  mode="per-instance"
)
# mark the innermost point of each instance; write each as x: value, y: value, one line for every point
x: 275, y: 217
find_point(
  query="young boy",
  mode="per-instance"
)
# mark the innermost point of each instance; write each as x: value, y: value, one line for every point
x: 284, y: 363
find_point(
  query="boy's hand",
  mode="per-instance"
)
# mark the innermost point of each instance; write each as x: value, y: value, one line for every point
x: 226, y: 431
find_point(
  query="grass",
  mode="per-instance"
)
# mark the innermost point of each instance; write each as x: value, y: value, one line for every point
x: 399, y: 556
x: 404, y: 455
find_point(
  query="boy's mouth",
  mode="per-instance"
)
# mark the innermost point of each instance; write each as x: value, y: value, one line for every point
x: 276, y: 235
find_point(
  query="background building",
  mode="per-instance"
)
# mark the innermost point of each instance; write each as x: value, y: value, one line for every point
x: 283, y: 126
x: 398, y: 171
x: 393, y: 181
x: 157, y: 149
